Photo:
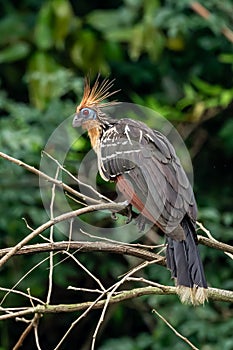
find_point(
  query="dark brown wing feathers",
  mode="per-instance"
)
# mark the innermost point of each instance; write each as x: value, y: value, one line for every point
x: 152, y: 171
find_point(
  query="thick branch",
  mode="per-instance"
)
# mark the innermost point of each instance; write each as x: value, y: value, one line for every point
x: 125, y: 249
x: 215, y: 244
x: 100, y: 246
x: 213, y: 294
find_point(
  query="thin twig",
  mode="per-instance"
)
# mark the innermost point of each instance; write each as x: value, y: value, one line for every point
x: 90, y: 307
x: 27, y: 225
x: 120, y: 242
x: 228, y: 250
x: 144, y: 280
x: 60, y: 218
x: 24, y: 334
x: 86, y: 270
x: 48, y: 178
x: 11, y: 309
x: 30, y: 297
x: 50, y: 286
x: 35, y: 325
x: 204, y: 13
x: 11, y: 290
x: 20, y: 280
x: 110, y: 295
x: 174, y: 330
x: 70, y: 233
x: 85, y: 290
x: 101, y: 196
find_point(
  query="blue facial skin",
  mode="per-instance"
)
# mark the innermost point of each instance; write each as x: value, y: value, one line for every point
x: 84, y: 115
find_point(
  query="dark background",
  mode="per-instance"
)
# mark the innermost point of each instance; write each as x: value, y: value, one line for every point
x: 163, y: 55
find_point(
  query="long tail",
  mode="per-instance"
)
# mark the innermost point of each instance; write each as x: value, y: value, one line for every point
x: 184, y: 261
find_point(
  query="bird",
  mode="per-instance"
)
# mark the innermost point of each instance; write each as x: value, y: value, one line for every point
x: 146, y: 170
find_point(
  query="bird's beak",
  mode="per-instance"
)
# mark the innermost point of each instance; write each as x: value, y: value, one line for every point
x: 77, y: 121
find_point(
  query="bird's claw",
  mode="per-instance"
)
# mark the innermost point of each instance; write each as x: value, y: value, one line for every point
x: 114, y: 216
x: 129, y: 214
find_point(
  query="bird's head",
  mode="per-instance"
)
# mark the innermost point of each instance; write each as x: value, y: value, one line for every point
x: 89, y: 113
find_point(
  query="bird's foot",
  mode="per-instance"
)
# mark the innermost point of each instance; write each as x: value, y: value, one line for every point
x: 126, y: 211
x: 129, y: 214
x: 114, y: 216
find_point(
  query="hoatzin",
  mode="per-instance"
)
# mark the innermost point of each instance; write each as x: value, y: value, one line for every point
x: 144, y: 165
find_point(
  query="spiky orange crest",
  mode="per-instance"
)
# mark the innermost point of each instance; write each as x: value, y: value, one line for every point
x: 93, y: 96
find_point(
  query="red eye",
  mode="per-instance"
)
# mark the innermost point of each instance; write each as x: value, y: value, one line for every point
x: 85, y: 112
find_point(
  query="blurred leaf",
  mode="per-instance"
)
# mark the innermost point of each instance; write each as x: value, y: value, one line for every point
x: 140, y: 42
x: 46, y: 79
x: 43, y: 35
x: 110, y: 20
x: 63, y: 20
x: 216, y: 23
x: 227, y: 218
x: 208, y: 89
x: 120, y: 35
x: 209, y: 214
x: 15, y: 52
x: 89, y: 56
x: 226, y: 97
x: 136, y: 41
x: 175, y: 43
x: 225, y: 134
x: 12, y: 29
x: 226, y: 58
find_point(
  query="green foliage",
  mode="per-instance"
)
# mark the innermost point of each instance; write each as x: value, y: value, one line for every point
x: 225, y: 134
x: 163, y: 56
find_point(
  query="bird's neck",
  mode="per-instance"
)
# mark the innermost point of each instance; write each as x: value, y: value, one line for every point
x: 95, y: 130
x: 94, y: 135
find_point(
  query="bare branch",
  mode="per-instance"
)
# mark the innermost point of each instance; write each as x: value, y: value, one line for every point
x: 90, y: 307
x: 111, y: 293
x: 21, y: 279
x: 77, y: 180
x: 204, y: 13
x: 226, y: 248
x: 125, y: 249
x: 51, y: 265
x: 24, y: 334
x: 35, y: 326
x: 60, y: 218
x: 49, y: 178
x: 85, y: 290
x: 11, y: 290
x: 214, y: 243
x: 174, y: 330
x: 213, y: 294
x: 119, y: 248
x: 144, y: 246
x: 86, y: 270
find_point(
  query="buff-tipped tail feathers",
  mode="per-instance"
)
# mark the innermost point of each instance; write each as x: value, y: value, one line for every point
x: 195, y: 295
x: 183, y: 259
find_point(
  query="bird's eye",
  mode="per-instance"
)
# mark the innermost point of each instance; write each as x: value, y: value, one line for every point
x: 85, y: 112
